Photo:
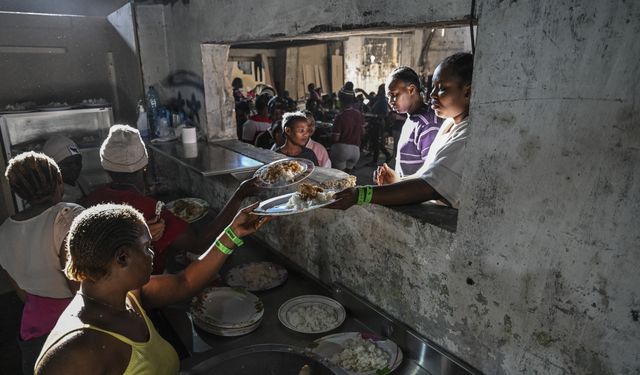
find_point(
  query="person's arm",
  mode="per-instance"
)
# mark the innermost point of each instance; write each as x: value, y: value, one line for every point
x: 403, y: 192
x: 194, y: 242
x: 21, y: 293
x: 166, y: 289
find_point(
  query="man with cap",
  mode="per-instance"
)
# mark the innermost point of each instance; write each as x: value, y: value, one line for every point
x: 65, y: 153
x: 124, y: 156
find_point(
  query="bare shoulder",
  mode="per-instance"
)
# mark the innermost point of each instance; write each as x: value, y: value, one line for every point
x: 81, y: 352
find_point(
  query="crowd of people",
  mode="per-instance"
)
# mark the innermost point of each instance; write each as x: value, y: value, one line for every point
x: 114, y: 247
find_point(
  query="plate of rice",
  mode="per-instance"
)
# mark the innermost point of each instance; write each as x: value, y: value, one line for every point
x: 359, y: 353
x: 257, y: 276
x: 284, y: 172
x: 312, y: 314
x: 307, y: 198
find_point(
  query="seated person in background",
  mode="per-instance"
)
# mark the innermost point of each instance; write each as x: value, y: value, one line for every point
x: 32, y: 249
x: 441, y: 179
x: 242, y: 115
x: 419, y: 129
x: 105, y: 329
x: 321, y: 153
x: 124, y: 156
x: 348, y: 129
x: 291, y: 104
x: 296, y: 129
x: 258, y: 123
x: 376, y: 126
x: 65, y: 153
x: 276, y: 106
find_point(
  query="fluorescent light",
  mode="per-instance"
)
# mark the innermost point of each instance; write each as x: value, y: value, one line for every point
x: 40, y: 14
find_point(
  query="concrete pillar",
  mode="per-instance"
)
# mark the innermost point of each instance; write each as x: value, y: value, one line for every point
x: 219, y: 103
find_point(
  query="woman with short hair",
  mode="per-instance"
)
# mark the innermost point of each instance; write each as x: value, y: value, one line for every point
x: 32, y: 251
x: 105, y: 329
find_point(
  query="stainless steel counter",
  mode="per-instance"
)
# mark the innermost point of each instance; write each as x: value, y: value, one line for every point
x: 420, y: 356
x: 208, y: 159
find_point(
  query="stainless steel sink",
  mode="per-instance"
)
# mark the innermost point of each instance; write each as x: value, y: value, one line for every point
x: 265, y: 359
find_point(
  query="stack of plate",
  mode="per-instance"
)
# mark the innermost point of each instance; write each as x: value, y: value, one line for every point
x: 227, y: 311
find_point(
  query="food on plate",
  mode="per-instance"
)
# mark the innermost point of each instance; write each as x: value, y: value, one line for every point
x: 360, y: 355
x: 19, y: 106
x: 313, y: 317
x: 309, y: 195
x: 339, y: 184
x: 255, y: 276
x: 57, y: 104
x: 98, y: 101
x: 282, y: 172
x: 187, y: 210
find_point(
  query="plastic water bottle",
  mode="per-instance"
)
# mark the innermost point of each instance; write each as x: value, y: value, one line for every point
x: 153, y: 102
x: 143, y: 123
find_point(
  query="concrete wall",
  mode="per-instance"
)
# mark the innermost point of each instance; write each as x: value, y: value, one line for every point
x: 542, y: 274
x: 81, y: 72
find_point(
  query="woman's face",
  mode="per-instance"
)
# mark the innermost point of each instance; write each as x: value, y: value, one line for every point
x: 401, y: 96
x: 298, y: 133
x: 142, y: 255
x: 449, y: 97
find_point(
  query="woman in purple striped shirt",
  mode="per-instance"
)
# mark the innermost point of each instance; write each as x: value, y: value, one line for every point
x: 418, y: 131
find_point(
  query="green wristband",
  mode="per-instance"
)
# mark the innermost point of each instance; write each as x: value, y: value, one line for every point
x: 369, y: 194
x: 223, y: 249
x: 233, y: 237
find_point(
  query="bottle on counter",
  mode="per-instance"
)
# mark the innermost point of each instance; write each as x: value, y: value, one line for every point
x: 143, y: 123
x: 153, y: 103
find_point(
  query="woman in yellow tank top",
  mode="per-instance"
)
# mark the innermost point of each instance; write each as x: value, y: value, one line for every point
x: 105, y: 329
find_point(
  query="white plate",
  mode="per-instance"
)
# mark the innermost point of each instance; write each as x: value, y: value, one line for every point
x: 278, y: 206
x: 227, y: 308
x: 307, y: 166
x: 49, y: 109
x: 201, y: 211
x: 287, y: 308
x: 272, y: 275
x: 228, y: 332
x: 330, y: 345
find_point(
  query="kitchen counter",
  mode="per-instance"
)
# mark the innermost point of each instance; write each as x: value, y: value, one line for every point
x: 419, y: 354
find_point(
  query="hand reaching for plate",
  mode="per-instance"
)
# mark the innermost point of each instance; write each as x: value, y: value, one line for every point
x: 246, y: 223
x: 384, y: 175
x: 345, y: 199
x: 247, y: 188
x: 156, y: 228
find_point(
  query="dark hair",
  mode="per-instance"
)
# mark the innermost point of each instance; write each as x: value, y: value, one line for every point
x: 96, y: 235
x: 406, y: 75
x: 276, y: 102
x: 290, y: 118
x: 237, y: 83
x: 262, y: 101
x: 33, y: 176
x: 459, y: 66
x: 311, y: 86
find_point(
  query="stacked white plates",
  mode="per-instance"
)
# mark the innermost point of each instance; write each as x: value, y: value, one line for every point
x: 227, y: 311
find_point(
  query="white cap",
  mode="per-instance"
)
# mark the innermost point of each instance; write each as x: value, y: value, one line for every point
x: 59, y: 147
x: 123, y: 150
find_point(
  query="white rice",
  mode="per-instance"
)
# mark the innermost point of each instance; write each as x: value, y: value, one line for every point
x: 314, y: 317
x: 360, y: 355
x: 298, y: 203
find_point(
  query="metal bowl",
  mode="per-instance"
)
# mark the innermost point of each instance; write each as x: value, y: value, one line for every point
x: 264, y: 359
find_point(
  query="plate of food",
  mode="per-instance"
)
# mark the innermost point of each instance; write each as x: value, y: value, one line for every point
x: 307, y: 198
x: 284, y: 172
x: 231, y: 308
x: 312, y: 314
x: 189, y: 209
x: 54, y: 106
x: 257, y: 276
x: 359, y: 353
x: 95, y: 103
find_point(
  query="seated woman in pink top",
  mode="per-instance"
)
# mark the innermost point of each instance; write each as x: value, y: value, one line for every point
x: 32, y: 251
x: 321, y: 153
